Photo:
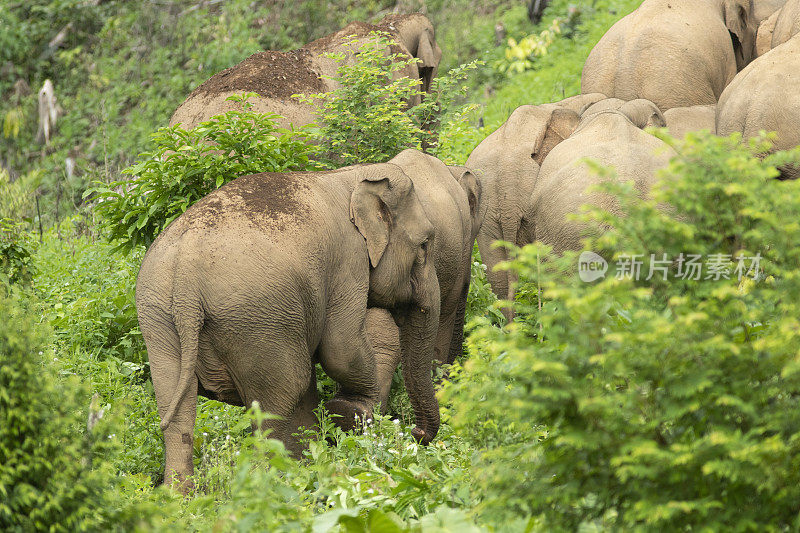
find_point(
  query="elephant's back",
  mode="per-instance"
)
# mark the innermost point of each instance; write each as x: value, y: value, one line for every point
x: 764, y: 97
x: 562, y: 191
x: 633, y: 154
x: 260, y: 238
x: 682, y: 120
x: 671, y: 56
x: 273, y: 76
x: 787, y: 24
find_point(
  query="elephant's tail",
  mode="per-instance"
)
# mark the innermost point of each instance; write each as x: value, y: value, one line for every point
x: 188, y: 321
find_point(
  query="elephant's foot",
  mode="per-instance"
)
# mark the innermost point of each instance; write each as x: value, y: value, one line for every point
x: 421, y: 436
x: 352, y: 413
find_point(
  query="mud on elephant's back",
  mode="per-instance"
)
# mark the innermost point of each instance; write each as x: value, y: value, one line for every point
x: 273, y: 76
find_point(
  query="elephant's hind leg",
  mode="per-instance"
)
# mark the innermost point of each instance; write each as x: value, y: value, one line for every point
x: 280, y: 377
x: 163, y: 350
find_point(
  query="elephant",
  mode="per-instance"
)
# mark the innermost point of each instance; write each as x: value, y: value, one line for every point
x: 507, y: 163
x: 682, y: 120
x: 451, y: 198
x: 241, y: 295
x: 675, y: 53
x: 764, y: 96
x: 415, y: 33
x: 612, y: 137
x: 763, y: 9
x: 275, y: 76
x: 765, y: 32
x: 787, y: 23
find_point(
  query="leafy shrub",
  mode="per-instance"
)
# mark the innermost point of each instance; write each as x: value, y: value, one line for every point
x: 480, y: 299
x: 51, y: 476
x: 367, y: 118
x: 187, y: 165
x: 88, y: 295
x: 16, y: 251
x: 557, y: 75
x: 521, y: 55
x: 652, y: 405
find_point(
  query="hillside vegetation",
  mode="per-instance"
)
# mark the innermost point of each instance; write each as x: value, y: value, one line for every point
x: 619, y: 405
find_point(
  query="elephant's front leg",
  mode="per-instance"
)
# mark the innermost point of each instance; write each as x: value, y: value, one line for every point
x: 500, y: 280
x: 347, y: 356
x: 303, y: 418
x: 384, y: 336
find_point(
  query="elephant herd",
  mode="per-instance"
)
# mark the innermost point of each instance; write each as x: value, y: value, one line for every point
x: 687, y: 65
x: 365, y: 267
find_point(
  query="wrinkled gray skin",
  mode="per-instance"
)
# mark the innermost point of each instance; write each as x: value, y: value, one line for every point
x: 675, y: 53
x: 611, y: 137
x: 451, y: 198
x: 763, y: 9
x: 682, y: 120
x: 765, y: 96
x: 765, y: 32
x: 241, y: 296
x: 787, y: 23
x: 507, y: 163
x: 413, y: 33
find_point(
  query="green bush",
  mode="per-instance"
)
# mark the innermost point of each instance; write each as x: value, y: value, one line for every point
x: 16, y: 251
x: 87, y: 292
x: 52, y: 477
x: 651, y: 405
x: 557, y: 75
x: 367, y: 119
x: 187, y: 165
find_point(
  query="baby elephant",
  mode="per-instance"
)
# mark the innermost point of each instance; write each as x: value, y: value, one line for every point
x: 240, y: 296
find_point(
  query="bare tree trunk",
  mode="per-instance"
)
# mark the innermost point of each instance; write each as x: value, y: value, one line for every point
x: 39, y: 216
x: 535, y: 10
x: 58, y: 201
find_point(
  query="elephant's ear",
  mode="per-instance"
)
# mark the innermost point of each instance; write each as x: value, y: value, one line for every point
x: 736, y: 17
x: 426, y: 51
x: 560, y: 125
x: 371, y: 215
x: 643, y: 114
x: 472, y: 186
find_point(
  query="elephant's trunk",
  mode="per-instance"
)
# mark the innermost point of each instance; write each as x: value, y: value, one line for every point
x: 418, y: 329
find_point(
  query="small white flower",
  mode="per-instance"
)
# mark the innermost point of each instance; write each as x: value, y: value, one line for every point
x: 40, y: 353
x: 401, y: 434
x: 370, y: 491
x: 205, y: 434
x: 395, y: 421
x: 216, y: 417
x: 227, y: 437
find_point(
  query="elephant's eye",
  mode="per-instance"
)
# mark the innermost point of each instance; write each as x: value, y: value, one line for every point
x: 424, y: 245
